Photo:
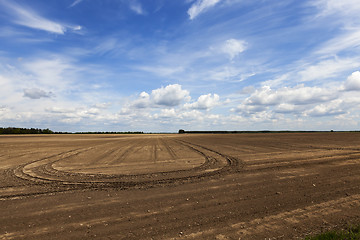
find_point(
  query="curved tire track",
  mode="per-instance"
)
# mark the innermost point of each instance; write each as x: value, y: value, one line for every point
x: 42, y: 172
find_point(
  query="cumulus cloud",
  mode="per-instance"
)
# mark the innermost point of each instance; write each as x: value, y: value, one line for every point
x: 74, y: 115
x: 233, y: 47
x: 60, y: 110
x: 299, y: 101
x: 192, y: 115
x: 204, y: 102
x: 201, y: 6
x: 3, y: 110
x: 285, y: 108
x: 36, y: 93
x: 298, y: 95
x: 353, y: 82
x: 303, y: 101
x: 171, y: 95
x: 143, y: 101
x: 329, y: 109
x: 247, y: 110
x: 102, y: 105
x: 168, y: 113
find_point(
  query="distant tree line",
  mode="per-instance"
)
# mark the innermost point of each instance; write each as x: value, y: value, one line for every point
x: 223, y: 132
x: 13, y: 130
x: 182, y: 131
x: 110, y: 132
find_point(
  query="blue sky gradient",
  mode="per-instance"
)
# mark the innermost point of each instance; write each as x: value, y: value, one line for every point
x: 161, y: 65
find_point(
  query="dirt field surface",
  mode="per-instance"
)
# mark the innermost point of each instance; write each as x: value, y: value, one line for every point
x: 178, y: 186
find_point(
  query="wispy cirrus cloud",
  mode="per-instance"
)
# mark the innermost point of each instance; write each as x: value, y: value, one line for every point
x: 76, y: 2
x: 328, y: 68
x: 201, y: 6
x: 29, y: 18
x: 346, y: 8
x: 136, y: 7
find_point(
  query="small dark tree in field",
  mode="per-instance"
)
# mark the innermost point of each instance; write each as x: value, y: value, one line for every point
x: 181, y: 131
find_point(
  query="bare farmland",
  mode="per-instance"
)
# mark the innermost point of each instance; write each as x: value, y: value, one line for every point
x: 196, y: 186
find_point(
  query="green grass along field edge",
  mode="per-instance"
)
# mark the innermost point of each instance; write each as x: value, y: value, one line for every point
x: 351, y: 233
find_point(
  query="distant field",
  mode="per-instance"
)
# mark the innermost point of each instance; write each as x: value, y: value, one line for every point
x: 178, y: 186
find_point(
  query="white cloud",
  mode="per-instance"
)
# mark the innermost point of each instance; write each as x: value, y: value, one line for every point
x: 4, y: 82
x: 248, y: 109
x: 107, y: 45
x: 171, y: 95
x: 328, y: 109
x: 136, y: 7
x: 350, y: 40
x: 285, y: 108
x: 346, y: 8
x: 74, y: 115
x: 228, y: 74
x: 247, y: 90
x: 11, y: 85
x: 233, y: 47
x: 60, y: 110
x: 201, y: 6
x: 287, y: 100
x: 192, y: 115
x: 11, y: 32
x: 303, y: 103
x: 204, y: 102
x: 36, y: 93
x: 29, y: 18
x: 51, y: 73
x: 161, y: 70
x: 328, y: 68
x: 298, y: 95
x: 102, y: 105
x: 76, y: 28
x: 76, y: 2
x: 143, y: 101
x: 353, y: 82
x: 168, y: 113
x: 4, y: 112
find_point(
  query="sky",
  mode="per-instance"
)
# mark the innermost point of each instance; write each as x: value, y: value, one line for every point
x: 165, y: 65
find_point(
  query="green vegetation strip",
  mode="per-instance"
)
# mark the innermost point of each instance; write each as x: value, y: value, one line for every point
x: 351, y: 234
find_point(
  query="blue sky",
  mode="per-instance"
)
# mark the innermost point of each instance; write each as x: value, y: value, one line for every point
x: 162, y: 65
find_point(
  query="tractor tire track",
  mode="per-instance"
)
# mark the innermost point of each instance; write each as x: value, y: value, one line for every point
x: 42, y: 172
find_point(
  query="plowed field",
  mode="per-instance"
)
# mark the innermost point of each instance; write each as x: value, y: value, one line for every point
x: 178, y: 186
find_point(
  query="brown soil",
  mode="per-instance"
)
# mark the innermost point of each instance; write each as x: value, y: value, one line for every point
x: 196, y: 186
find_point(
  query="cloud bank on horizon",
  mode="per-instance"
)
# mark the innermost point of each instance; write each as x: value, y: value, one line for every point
x: 156, y: 65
